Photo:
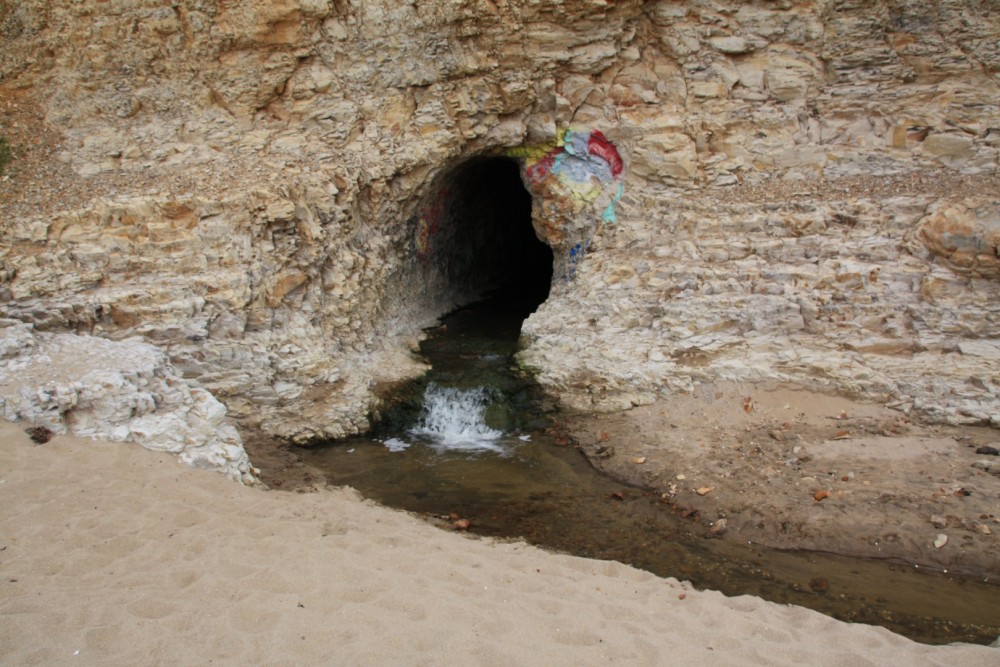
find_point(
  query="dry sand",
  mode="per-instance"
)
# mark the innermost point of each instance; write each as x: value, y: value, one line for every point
x: 113, y: 555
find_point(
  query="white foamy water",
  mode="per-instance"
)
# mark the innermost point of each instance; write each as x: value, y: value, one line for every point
x: 453, y: 419
x: 395, y: 444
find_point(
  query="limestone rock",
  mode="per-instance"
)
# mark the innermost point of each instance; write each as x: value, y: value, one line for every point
x: 668, y: 156
x: 952, y: 149
x: 119, y: 391
x: 966, y: 234
x: 268, y: 193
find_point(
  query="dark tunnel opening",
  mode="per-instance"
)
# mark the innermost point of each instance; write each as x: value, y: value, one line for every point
x: 493, y: 245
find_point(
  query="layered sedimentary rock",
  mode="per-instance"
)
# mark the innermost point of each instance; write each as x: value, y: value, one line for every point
x: 119, y: 391
x: 276, y: 194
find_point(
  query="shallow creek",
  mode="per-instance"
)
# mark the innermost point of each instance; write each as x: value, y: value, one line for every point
x: 472, y: 441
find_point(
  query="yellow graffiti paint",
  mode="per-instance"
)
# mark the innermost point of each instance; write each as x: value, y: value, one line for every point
x: 527, y: 152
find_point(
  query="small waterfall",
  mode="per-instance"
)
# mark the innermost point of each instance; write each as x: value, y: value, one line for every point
x: 453, y: 419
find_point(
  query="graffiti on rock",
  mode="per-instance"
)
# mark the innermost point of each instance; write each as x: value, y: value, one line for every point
x: 576, y: 254
x: 579, y: 179
x: 428, y: 223
x: 583, y: 165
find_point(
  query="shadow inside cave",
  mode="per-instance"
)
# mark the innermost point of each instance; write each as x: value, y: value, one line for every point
x: 477, y: 233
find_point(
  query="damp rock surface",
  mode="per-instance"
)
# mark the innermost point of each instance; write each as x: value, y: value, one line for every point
x: 745, y: 192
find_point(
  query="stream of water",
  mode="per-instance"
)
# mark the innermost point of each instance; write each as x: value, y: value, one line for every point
x: 472, y: 440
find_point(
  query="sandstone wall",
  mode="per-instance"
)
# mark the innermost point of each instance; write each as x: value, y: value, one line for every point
x: 800, y: 191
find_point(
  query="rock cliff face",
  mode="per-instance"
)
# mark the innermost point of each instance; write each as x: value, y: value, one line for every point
x: 279, y: 194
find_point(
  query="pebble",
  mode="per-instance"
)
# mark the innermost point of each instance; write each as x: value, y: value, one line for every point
x: 988, y: 451
x: 717, y: 528
x: 940, y: 540
x: 938, y: 521
x: 40, y: 434
x: 819, y: 585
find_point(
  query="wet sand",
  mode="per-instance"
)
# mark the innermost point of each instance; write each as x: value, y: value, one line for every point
x: 790, y: 468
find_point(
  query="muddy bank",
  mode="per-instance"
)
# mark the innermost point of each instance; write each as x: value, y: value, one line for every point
x: 792, y: 469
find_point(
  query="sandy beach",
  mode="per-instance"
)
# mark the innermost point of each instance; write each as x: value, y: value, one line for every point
x: 113, y: 555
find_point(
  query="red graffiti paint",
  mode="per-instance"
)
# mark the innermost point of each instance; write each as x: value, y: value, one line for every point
x: 428, y: 222
x: 599, y: 145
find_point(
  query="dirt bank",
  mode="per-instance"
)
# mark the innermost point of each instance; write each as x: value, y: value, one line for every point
x: 794, y: 469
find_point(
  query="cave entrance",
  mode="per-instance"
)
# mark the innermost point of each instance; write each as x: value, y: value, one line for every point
x: 486, y: 242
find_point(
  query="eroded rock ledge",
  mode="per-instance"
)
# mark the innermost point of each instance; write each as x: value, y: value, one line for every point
x: 120, y: 391
x: 268, y: 192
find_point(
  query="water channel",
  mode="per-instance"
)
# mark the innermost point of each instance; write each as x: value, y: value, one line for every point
x: 473, y: 440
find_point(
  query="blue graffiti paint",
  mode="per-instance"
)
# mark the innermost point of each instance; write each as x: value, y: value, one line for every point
x: 576, y: 254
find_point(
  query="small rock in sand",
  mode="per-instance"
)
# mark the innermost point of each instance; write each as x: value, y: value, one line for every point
x: 39, y: 434
x: 940, y: 540
x: 938, y: 521
x: 717, y: 529
x: 819, y: 585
